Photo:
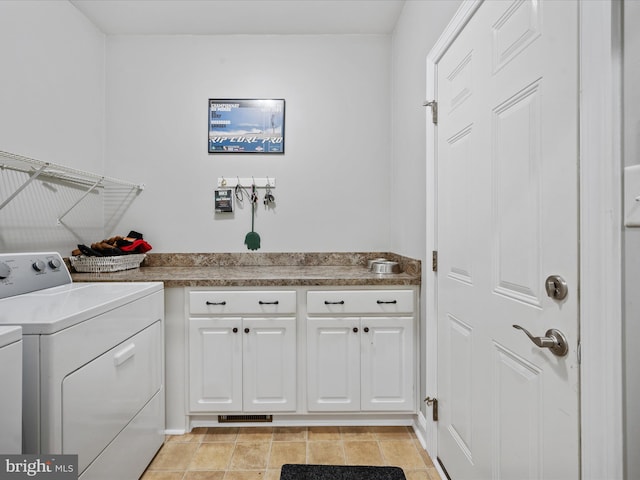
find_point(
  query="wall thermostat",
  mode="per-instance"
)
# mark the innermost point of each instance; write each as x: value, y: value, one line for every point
x: 224, y: 200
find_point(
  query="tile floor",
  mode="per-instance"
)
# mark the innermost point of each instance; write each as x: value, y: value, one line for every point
x: 247, y: 453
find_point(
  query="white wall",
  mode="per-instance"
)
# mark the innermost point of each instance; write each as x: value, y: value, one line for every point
x: 337, y: 189
x: 52, y: 108
x: 418, y: 28
x: 333, y: 181
x: 631, y: 306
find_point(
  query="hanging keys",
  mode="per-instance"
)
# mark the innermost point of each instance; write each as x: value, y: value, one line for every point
x: 268, y: 196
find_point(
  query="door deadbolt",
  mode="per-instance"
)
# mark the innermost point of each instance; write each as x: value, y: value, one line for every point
x: 556, y: 287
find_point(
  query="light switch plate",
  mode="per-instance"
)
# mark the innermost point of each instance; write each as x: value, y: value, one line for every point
x: 632, y: 196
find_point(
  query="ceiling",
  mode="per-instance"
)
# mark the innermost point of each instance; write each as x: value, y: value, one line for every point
x: 257, y: 17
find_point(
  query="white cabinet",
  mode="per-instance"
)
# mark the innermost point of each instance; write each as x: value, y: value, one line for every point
x: 347, y: 302
x: 333, y: 364
x: 269, y: 364
x: 245, y: 362
x: 215, y: 364
x: 338, y: 350
x: 386, y: 366
x: 360, y: 351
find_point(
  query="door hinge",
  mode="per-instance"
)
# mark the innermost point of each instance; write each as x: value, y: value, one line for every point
x: 434, y: 110
x: 434, y: 261
x: 433, y: 403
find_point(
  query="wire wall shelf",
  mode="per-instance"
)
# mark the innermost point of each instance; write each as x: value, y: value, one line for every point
x: 47, y: 170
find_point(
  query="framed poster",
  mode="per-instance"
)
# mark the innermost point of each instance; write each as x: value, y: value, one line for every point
x: 246, y: 125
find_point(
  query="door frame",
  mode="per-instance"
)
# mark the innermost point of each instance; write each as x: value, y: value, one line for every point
x: 600, y: 190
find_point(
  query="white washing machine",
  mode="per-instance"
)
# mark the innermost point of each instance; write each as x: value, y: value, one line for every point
x: 93, y: 355
x: 11, y: 392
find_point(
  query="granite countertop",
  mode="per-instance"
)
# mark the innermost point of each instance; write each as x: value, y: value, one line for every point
x: 261, y: 270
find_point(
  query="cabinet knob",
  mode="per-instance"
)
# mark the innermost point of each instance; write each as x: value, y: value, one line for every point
x: 366, y: 329
x: 355, y: 329
x: 246, y: 330
x: 235, y: 329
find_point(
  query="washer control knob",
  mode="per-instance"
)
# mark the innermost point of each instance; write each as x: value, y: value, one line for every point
x: 5, y: 271
x: 55, y: 263
x: 38, y: 265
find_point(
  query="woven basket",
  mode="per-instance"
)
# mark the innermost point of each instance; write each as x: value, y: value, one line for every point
x: 106, y: 264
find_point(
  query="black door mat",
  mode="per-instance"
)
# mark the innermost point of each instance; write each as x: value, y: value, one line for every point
x: 340, y: 472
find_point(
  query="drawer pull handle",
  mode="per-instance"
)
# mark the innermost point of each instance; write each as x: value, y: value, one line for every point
x: 276, y: 302
x: 327, y: 302
x: 216, y: 303
x: 381, y: 302
x: 124, y: 354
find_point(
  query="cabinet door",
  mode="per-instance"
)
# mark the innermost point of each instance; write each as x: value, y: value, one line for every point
x: 387, y: 368
x: 333, y: 364
x: 215, y: 364
x: 269, y: 356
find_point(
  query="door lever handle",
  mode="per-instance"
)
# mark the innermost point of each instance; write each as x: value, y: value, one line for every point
x: 554, y: 340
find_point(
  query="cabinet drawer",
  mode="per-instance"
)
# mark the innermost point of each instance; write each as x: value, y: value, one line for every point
x: 240, y: 302
x: 336, y: 302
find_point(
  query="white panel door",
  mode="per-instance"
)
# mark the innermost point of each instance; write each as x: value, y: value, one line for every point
x: 269, y: 364
x: 333, y: 364
x: 215, y: 364
x: 387, y: 373
x: 507, y: 207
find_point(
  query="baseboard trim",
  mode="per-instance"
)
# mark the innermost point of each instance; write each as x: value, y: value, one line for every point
x: 420, y: 429
x: 407, y: 420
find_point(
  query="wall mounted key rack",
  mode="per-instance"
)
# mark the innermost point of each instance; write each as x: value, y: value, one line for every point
x: 245, y: 188
x: 247, y: 182
x: 242, y: 187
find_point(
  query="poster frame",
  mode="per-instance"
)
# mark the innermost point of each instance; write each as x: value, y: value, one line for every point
x: 246, y: 126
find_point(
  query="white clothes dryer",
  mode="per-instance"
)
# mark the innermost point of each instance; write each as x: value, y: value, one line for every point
x: 93, y: 365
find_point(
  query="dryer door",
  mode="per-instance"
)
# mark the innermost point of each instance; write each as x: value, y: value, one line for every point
x: 103, y: 396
